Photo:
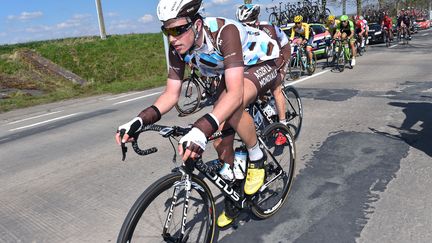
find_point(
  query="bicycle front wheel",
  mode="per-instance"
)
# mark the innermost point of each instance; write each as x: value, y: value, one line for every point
x: 311, y: 66
x: 294, y: 68
x: 294, y: 110
x: 157, y: 214
x: 190, y: 97
x: 340, y: 60
x: 279, y: 145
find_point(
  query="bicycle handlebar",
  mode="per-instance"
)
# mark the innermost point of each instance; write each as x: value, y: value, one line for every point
x: 175, y: 131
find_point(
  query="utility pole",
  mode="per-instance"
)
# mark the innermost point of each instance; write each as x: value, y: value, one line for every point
x: 100, y: 19
x: 343, y: 7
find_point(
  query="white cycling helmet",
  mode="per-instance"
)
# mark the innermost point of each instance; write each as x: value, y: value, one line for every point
x: 171, y: 9
x: 248, y: 13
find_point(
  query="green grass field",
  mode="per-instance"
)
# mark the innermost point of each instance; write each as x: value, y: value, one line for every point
x: 118, y: 64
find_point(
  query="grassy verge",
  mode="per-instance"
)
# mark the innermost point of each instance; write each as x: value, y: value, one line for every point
x: 118, y: 64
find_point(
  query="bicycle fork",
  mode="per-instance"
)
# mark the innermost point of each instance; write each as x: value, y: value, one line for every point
x: 186, y: 183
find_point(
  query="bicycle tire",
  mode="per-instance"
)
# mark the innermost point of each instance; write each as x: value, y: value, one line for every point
x: 340, y: 60
x: 294, y: 112
x: 311, y: 68
x: 141, y: 206
x: 294, y: 68
x: 329, y: 52
x: 264, y: 207
x: 188, y: 103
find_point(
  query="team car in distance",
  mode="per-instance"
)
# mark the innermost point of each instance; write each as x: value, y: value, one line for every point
x: 376, y: 33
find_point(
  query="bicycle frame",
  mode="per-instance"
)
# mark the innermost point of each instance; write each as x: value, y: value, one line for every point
x: 240, y: 200
x: 299, y: 53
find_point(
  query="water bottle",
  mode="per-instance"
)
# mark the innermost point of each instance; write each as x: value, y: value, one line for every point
x: 226, y: 172
x: 240, y: 156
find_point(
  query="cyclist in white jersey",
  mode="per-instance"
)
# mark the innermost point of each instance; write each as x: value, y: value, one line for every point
x: 247, y: 60
x: 248, y: 14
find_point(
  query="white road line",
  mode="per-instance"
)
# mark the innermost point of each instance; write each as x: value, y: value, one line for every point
x: 137, y: 98
x: 393, y: 46
x: 33, y: 117
x: 306, y: 78
x: 125, y: 95
x: 425, y: 34
x: 43, y: 122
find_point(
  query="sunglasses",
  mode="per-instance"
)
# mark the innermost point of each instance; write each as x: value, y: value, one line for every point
x: 176, y: 31
x: 297, y: 23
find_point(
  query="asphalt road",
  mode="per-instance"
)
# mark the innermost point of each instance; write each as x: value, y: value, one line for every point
x: 364, y: 168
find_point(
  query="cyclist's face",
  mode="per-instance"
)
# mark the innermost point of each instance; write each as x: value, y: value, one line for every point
x: 182, y: 41
x: 344, y: 23
x: 332, y: 22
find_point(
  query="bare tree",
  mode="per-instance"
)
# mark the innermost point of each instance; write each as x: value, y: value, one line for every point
x: 359, y: 7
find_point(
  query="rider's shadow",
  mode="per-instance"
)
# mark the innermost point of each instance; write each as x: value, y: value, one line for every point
x: 416, y: 129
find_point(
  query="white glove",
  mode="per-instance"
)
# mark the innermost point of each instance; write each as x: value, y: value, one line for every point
x: 131, y: 127
x: 194, y: 140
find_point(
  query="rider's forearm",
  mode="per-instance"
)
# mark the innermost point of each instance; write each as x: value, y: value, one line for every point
x: 167, y: 100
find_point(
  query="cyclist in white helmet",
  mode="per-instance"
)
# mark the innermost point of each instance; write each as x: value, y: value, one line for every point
x: 248, y: 14
x: 247, y: 60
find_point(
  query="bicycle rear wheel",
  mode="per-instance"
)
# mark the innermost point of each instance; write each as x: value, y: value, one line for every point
x: 294, y: 110
x: 279, y: 145
x: 157, y: 217
x: 190, y: 97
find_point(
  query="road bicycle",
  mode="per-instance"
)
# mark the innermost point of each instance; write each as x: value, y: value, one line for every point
x: 343, y: 54
x: 403, y: 34
x: 299, y: 62
x: 277, y: 16
x: 358, y: 45
x: 194, y: 90
x: 387, y: 36
x: 180, y: 206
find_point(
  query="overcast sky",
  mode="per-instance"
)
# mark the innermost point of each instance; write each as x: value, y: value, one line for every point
x: 30, y: 20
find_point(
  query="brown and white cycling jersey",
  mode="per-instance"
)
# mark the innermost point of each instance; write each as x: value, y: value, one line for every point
x: 227, y: 43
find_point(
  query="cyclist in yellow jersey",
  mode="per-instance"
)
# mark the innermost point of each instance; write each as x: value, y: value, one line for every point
x: 304, y: 35
x: 331, y: 24
x: 331, y: 27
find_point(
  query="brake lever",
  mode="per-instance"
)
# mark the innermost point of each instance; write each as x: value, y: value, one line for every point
x: 123, y: 145
x: 124, y: 151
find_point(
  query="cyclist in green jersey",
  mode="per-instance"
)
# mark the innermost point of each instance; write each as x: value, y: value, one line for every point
x: 345, y: 30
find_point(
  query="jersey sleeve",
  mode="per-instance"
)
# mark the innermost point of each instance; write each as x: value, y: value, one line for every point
x: 176, y: 65
x: 281, y: 36
x: 351, y: 26
x: 230, y: 46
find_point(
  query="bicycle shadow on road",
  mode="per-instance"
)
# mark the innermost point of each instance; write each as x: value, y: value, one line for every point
x: 416, y: 129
